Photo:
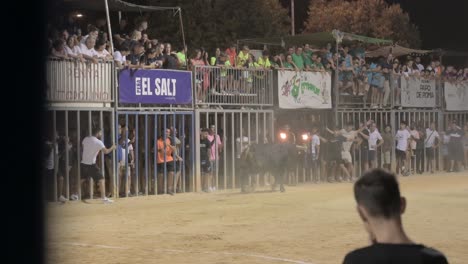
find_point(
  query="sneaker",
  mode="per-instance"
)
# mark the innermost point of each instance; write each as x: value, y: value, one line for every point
x: 107, y: 200
x: 214, y: 189
x: 74, y: 197
x: 62, y: 199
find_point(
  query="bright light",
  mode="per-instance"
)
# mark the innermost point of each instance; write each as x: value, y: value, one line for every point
x: 305, y: 137
x: 283, y: 135
x: 79, y: 15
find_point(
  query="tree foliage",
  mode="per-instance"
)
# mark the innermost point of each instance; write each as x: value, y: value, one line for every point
x: 217, y: 23
x: 372, y: 18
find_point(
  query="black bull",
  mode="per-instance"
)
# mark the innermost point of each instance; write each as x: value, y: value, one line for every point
x: 278, y: 159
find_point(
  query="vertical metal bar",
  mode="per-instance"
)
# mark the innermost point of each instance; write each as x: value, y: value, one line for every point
x: 184, y: 157
x: 91, y: 181
x: 136, y: 152
x: 164, y: 136
x: 103, y: 140
x: 195, y: 151
x: 146, y: 161
x: 67, y: 157
x: 156, y: 153
x: 233, y: 154
x: 216, y: 149
x: 78, y: 152
x: 55, y: 155
x: 125, y: 138
x: 115, y: 165
x: 224, y: 152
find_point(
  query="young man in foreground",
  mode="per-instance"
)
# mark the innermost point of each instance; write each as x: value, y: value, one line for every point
x: 380, y: 206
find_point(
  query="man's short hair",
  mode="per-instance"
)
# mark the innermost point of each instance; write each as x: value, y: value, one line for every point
x: 403, y: 123
x: 96, y: 130
x: 378, y: 191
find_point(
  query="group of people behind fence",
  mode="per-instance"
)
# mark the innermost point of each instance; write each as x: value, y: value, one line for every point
x: 340, y: 154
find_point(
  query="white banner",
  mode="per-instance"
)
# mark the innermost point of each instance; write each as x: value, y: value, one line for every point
x: 418, y: 92
x: 304, y: 90
x: 456, y: 96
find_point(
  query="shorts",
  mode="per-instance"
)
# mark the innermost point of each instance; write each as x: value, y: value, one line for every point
x: 310, y: 160
x: 430, y: 153
x: 400, y: 154
x: 334, y: 155
x: 179, y: 165
x: 387, y: 157
x: 205, y: 166
x: 456, y: 151
x: 91, y: 171
x: 372, y: 155
x: 213, y: 165
x: 346, y: 157
x: 122, y: 170
x: 169, y: 167
x: 364, y: 155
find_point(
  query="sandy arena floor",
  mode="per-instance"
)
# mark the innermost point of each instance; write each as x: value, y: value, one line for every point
x: 308, y: 224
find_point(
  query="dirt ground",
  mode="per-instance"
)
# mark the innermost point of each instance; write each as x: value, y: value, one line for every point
x: 310, y: 223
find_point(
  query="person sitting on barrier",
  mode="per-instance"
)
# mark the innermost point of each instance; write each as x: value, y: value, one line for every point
x: 380, y: 206
x: 87, y: 50
x: 345, y: 79
x: 377, y: 84
x: 165, y: 163
x: 101, y: 52
x: 92, y: 145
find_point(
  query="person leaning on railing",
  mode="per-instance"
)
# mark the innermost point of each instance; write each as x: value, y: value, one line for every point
x: 120, y: 56
x: 150, y: 60
x: 101, y: 52
x: 72, y: 49
x: 87, y: 50
x: 58, y: 49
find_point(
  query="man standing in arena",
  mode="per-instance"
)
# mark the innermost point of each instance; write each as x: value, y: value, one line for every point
x: 165, y: 162
x: 380, y: 206
x: 402, y: 137
x: 205, y: 164
x: 364, y: 144
x: 455, y: 146
x: 216, y: 149
x: 313, y: 152
x: 372, y: 138
x: 430, y: 144
x: 92, y: 145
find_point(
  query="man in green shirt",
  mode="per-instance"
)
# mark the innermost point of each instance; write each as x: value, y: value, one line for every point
x: 182, y: 58
x: 298, y: 58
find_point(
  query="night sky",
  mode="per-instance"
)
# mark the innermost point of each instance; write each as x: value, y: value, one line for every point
x: 442, y: 24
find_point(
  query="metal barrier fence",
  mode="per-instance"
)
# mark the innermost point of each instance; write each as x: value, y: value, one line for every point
x: 147, y: 171
x: 65, y: 131
x: 76, y: 81
x: 232, y: 86
x: 236, y: 129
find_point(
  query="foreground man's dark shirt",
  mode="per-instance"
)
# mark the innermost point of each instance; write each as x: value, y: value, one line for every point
x: 395, y: 254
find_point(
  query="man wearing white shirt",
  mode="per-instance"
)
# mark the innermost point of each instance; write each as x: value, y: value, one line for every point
x: 87, y: 50
x: 402, y: 137
x: 120, y: 56
x: 92, y: 145
x: 431, y: 145
x: 93, y: 33
x: 418, y: 64
x: 374, y: 136
x: 313, y: 152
